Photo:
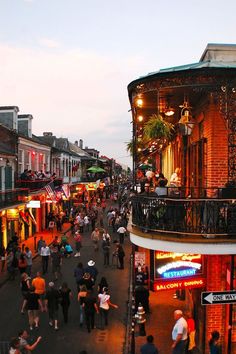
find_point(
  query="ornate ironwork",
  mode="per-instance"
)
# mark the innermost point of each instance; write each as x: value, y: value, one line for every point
x: 208, y: 218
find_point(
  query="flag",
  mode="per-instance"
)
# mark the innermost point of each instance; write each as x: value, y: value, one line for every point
x: 66, y: 190
x: 31, y: 215
x: 50, y: 189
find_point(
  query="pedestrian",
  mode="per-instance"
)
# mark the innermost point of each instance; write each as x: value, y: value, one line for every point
x: 90, y: 307
x: 29, y: 260
x: 106, y: 235
x: 25, y: 347
x: 191, y: 332
x: 106, y: 250
x: 40, y: 244
x: 104, y: 306
x: 214, y: 345
x: 142, y: 296
x: 65, y: 296
x: 25, y: 287
x: 78, y: 243
x: 78, y: 274
x: 52, y: 305
x: 92, y: 270
x: 14, y: 346
x: 45, y: 254
x: 86, y: 223
x: 12, y: 264
x: 149, y: 347
x: 68, y: 250
x: 103, y: 284
x: 22, y: 264
x: 87, y: 281
x: 121, y: 231
x: 95, y: 236
x: 179, y: 333
x: 33, y: 303
x: 3, y: 257
x: 121, y: 255
x: 81, y: 296
x: 40, y: 285
x: 56, y: 258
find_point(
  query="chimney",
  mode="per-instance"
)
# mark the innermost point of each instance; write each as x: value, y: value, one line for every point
x: 25, y: 124
x: 8, y: 116
x: 81, y: 143
x: 76, y: 142
x: 47, y: 133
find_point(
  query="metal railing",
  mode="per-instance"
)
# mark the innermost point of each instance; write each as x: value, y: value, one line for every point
x: 4, y: 347
x: 206, y: 217
x: 12, y: 197
x: 37, y: 184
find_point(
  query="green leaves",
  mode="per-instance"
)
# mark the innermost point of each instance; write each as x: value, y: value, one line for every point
x: 157, y: 128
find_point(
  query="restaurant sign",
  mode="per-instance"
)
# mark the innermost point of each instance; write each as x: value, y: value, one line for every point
x: 179, y: 284
x: 171, y: 265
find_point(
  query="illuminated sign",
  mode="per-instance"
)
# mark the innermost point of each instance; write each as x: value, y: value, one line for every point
x: 171, y: 265
x: 33, y: 204
x: 12, y: 214
x: 179, y: 284
x: 91, y: 186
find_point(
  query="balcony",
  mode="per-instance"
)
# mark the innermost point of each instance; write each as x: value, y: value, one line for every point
x: 10, y: 198
x: 185, y: 220
x: 37, y: 184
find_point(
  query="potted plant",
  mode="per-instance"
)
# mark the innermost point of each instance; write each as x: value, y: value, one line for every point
x: 157, y: 128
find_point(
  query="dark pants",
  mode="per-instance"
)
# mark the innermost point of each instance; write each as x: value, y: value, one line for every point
x: 121, y: 236
x: 65, y: 308
x: 104, y: 317
x: 180, y: 347
x: 106, y: 258
x: 45, y: 264
x: 89, y: 319
x: 121, y: 260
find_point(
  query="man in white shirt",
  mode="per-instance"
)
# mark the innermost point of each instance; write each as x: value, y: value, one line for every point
x: 179, y: 333
x: 121, y: 231
x: 45, y: 253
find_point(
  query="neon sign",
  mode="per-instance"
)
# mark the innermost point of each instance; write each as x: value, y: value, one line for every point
x: 174, y: 255
x: 180, y: 284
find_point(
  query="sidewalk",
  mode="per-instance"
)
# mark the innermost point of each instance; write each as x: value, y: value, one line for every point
x: 31, y: 242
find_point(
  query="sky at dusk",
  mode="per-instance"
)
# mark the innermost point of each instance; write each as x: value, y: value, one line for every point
x: 68, y: 62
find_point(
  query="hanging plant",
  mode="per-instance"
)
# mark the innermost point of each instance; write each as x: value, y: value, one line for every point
x: 157, y: 128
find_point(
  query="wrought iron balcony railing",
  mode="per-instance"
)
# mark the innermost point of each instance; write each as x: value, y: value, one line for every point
x: 13, y: 197
x: 37, y: 184
x: 209, y: 217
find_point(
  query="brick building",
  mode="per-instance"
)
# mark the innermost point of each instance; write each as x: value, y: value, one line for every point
x: 196, y: 218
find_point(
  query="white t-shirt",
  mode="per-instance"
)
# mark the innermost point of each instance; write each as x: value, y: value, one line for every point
x: 180, y: 327
x: 45, y: 251
x: 121, y: 230
x: 103, y: 301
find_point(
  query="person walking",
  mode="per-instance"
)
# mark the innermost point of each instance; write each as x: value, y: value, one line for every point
x: 40, y: 244
x: 121, y: 231
x: 3, y: 257
x: 65, y: 296
x: 95, y: 236
x: 104, y: 306
x: 214, y: 345
x: 179, y: 333
x: 45, y: 254
x: 92, y: 270
x: 121, y: 255
x: 106, y: 250
x: 56, y: 258
x: 90, y: 307
x: 149, y: 347
x: 32, y: 302
x: 78, y: 243
x: 25, y: 287
x: 103, y: 284
x: 12, y: 264
x: 39, y: 284
x: 22, y: 264
x: 14, y: 346
x: 78, y: 274
x: 81, y: 296
x: 52, y: 305
x: 29, y: 260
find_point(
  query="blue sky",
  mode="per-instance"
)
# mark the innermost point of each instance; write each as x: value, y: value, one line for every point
x: 68, y: 62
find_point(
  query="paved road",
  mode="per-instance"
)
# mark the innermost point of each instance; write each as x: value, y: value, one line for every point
x: 71, y: 338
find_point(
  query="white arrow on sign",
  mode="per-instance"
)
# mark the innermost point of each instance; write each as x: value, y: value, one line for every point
x: 209, y: 298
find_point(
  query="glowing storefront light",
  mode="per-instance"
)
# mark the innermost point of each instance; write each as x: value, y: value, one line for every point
x: 180, y: 273
x: 178, y: 264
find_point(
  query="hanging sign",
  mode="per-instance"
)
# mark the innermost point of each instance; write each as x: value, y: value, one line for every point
x: 179, y: 284
x: 139, y: 259
x: 12, y: 214
x: 33, y: 204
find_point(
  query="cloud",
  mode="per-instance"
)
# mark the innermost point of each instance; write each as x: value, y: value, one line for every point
x: 74, y: 93
x: 49, y: 43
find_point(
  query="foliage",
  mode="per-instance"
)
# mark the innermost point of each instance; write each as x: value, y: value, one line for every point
x: 156, y: 128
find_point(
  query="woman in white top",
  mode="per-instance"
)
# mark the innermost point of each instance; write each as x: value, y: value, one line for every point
x: 104, y: 306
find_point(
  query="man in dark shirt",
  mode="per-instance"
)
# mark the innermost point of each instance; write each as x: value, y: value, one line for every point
x: 149, y: 347
x: 33, y: 303
x: 52, y: 305
x: 90, y: 307
x: 56, y: 258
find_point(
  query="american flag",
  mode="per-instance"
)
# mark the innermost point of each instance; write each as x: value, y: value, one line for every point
x: 50, y: 189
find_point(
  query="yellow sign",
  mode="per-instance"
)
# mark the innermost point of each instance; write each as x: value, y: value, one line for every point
x: 12, y: 214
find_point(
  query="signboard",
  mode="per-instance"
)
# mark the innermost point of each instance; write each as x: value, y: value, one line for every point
x: 172, y: 265
x: 51, y: 224
x: 218, y: 297
x: 12, y: 214
x: 33, y: 204
x: 179, y: 284
x: 139, y: 259
x: 91, y: 186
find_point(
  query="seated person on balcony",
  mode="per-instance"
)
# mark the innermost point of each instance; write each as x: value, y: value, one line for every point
x: 147, y: 191
x: 175, y: 179
x: 53, y: 176
x: 161, y: 189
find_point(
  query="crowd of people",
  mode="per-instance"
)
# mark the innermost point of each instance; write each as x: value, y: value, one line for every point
x: 29, y: 175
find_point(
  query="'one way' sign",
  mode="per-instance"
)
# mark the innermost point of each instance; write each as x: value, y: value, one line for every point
x: 218, y: 297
